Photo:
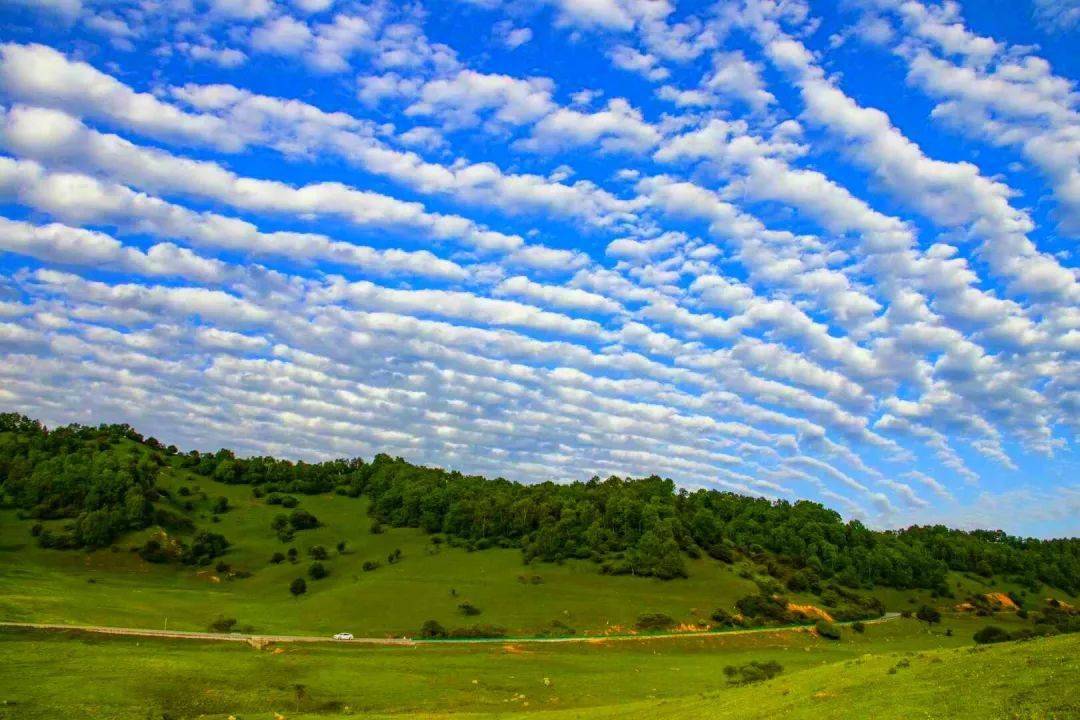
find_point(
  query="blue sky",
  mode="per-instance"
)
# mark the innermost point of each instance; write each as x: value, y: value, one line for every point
x: 801, y: 250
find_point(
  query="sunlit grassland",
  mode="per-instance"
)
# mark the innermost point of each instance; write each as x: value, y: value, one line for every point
x: 51, y: 675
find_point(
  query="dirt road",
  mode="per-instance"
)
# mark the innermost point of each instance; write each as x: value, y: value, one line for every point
x: 259, y: 640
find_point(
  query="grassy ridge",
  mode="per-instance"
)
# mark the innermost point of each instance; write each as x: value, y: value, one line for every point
x: 116, y: 587
x: 66, y: 675
x: 52, y: 586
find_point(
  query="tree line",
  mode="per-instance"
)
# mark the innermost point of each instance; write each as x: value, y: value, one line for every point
x: 649, y: 527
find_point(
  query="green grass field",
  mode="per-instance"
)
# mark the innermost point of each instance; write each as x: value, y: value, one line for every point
x: 54, y: 675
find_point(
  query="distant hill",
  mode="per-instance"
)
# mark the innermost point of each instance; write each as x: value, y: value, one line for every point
x: 547, y: 558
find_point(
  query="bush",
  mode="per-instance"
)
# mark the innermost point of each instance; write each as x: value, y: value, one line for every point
x: 478, y: 631
x: 205, y: 547
x: 766, y: 610
x: 858, y: 626
x: 432, y: 629
x: 277, y: 558
x: 302, y: 520
x: 317, y: 571
x: 223, y: 624
x: 991, y: 634
x: 318, y: 552
x: 723, y: 617
x: 752, y: 672
x: 557, y: 628
x: 827, y: 630
x: 370, y: 565
x: 298, y: 587
x: 155, y: 550
x: 654, y: 621
x: 928, y: 615
x: 221, y: 505
x: 376, y: 528
x: 467, y: 608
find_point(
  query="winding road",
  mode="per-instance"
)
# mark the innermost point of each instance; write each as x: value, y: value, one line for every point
x: 260, y: 639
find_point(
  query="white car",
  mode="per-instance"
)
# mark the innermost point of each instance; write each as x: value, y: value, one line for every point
x: 343, y: 636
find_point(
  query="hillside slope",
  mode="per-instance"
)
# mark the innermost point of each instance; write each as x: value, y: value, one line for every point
x: 105, y: 527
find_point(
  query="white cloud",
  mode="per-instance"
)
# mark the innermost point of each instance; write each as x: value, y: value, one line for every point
x: 40, y: 74
x: 618, y: 128
x: 644, y: 64
x: 1058, y: 16
x: 509, y: 36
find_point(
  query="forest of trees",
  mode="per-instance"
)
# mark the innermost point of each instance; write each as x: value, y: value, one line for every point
x: 77, y: 473
x: 102, y: 486
x: 643, y: 526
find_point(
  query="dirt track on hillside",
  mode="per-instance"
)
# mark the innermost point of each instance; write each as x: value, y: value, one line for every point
x: 260, y: 640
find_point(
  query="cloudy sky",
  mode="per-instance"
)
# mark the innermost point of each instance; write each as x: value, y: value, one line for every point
x: 818, y: 250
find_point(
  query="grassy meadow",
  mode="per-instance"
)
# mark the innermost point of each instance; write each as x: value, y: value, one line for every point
x: 892, y: 670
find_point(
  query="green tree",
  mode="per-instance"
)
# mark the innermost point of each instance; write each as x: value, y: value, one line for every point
x: 432, y: 629
x: 928, y: 615
x: 298, y: 587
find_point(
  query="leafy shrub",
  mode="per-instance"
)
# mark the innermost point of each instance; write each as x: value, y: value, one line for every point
x: 722, y: 617
x: 991, y: 634
x: 302, y: 520
x: 317, y: 552
x: 654, y: 621
x: 277, y: 558
x: 766, y: 610
x: 223, y: 624
x: 298, y: 587
x: 752, y: 672
x: 858, y: 626
x: 557, y: 628
x: 928, y: 615
x: 827, y: 630
x: 317, y: 571
x: 205, y: 547
x: 467, y: 608
x: 478, y: 631
x: 370, y: 565
x: 432, y: 629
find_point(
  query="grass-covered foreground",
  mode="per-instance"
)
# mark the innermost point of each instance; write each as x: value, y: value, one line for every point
x: 892, y: 670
